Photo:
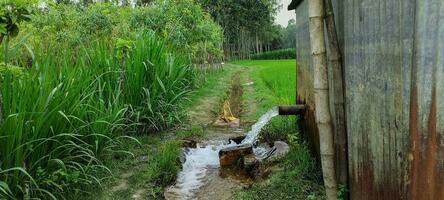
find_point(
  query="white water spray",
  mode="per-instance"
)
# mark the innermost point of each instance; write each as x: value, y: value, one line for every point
x: 257, y: 127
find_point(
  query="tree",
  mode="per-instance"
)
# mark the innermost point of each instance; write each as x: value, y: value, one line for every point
x: 289, y: 35
x: 247, y: 24
x: 321, y: 95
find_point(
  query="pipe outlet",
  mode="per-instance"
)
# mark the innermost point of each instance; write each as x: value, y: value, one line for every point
x: 298, y: 109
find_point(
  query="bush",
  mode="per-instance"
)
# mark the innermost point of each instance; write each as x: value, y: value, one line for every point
x: 276, y: 54
x: 185, y: 25
x: 182, y: 23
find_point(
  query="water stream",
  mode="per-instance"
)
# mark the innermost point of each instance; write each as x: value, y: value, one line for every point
x: 202, y: 162
x: 257, y: 127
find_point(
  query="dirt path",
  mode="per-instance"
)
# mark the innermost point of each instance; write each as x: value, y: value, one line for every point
x: 129, y: 178
x: 217, y: 185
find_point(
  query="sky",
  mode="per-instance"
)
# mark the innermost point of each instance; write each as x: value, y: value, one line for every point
x: 283, y: 14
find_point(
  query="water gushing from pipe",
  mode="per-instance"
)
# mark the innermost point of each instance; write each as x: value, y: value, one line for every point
x: 257, y: 127
x: 205, y: 157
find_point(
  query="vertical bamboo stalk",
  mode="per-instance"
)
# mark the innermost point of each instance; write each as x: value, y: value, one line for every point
x: 321, y: 95
x: 338, y: 95
x: 1, y: 109
x: 257, y: 44
x: 1, y: 97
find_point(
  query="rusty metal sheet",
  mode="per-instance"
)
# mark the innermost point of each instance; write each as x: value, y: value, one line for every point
x: 305, y: 78
x: 394, y: 77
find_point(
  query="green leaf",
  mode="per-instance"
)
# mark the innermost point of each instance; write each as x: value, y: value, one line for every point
x: 5, y: 188
x: 13, y: 31
x: 3, y: 29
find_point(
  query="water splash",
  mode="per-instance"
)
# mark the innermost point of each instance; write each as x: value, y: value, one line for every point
x: 198, y: 161
x: 206, y: 157
x: 257, y: 127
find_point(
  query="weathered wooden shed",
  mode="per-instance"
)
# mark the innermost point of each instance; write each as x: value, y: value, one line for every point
x: 393, y: 54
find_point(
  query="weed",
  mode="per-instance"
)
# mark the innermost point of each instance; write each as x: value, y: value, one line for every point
x: 164, y: 166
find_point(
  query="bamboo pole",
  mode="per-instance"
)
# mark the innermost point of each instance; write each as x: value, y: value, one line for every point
x: 338, y: 95
x: 321, y: 95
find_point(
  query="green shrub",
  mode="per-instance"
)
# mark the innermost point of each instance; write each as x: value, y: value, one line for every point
x: 276, y: 54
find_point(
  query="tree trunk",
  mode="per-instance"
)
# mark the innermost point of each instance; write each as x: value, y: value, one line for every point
x: 1, y: 99
x: 321, y: 96
x: 1, y: 109
x: 257, y: 44
x: 1, y: 38
x: 6, y: 49
x: 338, y: 95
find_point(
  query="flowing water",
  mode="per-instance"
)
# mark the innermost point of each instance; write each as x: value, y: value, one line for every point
x: 257, y: 127
x: 201, y: 170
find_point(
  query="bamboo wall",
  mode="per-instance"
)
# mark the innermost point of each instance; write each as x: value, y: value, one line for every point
x: 394, y: 80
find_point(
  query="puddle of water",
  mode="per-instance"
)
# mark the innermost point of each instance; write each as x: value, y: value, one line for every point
x: 202, y: 163
x: 197, y: 162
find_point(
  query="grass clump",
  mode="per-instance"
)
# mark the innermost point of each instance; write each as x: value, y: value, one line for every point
x: 165, y: 164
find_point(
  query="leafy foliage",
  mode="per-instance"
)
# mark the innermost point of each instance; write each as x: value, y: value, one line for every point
x: 276, y: 54
x: 288, y: 35
x: 184, y: 24
x: 11, y: 14
x: 246, y: 24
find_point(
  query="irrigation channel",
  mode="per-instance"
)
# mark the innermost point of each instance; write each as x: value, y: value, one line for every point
x: 201, y: 176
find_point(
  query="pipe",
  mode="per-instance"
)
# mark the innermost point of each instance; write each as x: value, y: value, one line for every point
x: 298, y: 109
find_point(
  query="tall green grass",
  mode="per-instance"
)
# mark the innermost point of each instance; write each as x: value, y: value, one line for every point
x: 67, y: 110
x: 274, y: 81
x: 156, y: 83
